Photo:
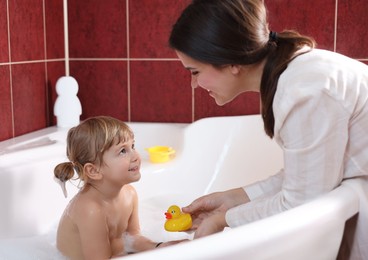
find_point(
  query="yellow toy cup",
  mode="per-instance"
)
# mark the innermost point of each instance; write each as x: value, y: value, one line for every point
x: 160, y: 154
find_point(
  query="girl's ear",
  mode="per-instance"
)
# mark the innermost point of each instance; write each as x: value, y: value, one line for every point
x: 235, y: 69
x: 92, y: 172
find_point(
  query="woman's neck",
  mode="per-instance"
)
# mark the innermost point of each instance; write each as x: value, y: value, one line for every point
x: 251, y: 76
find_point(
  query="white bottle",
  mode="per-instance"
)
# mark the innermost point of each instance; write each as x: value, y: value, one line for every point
x: 67, y: 108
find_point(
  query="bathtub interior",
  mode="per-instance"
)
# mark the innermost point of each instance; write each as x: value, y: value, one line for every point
x: 212, y: 154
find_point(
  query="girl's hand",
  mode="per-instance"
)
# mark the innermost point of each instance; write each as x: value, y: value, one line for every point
x: 170, y: 243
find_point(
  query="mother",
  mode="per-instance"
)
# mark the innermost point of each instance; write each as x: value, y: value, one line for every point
x: 314, y: 103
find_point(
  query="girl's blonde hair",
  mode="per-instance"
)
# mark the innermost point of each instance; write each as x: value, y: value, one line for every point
x: 87, y: 142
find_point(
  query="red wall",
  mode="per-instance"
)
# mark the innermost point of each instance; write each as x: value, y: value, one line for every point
x: 120, y: 58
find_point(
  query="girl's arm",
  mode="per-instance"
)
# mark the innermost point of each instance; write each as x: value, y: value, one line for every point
x: 133, y: 240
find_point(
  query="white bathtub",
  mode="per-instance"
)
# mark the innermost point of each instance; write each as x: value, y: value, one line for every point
x: 212, y: 154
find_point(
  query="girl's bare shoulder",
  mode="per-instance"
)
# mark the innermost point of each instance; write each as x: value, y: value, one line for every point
x: 85, y: 204
x: 129, y: 190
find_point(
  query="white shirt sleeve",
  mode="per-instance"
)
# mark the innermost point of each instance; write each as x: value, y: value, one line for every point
x: 265, y: 188
x: 311, y: 127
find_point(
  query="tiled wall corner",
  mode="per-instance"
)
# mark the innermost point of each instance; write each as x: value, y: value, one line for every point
x: 6, y: 115
x: 159, y: 92
x: 4, y: 50
x: 102, y: 87
x: 352, y: 37
x: 316, y: 20
x: 26, y: 76
x: 54, y: 21
x: 150, y: 23
x: 30, y: 99
x: 97, y: 29
x: 120, y: 57
x: 27, y: 30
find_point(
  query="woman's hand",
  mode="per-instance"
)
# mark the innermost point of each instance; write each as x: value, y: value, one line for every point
x: 211, y: 224
x: 208, y: 212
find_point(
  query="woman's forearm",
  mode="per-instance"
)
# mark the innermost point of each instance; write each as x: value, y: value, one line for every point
x: 236, y: 197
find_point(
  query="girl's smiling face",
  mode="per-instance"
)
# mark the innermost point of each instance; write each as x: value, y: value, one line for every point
x: 121, y: 163
x: 221, y: 83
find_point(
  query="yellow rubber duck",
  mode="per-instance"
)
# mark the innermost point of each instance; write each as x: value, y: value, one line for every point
x: 176, y: 220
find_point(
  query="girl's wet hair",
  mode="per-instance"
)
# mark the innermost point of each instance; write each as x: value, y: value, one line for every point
x: 87, y: 142
x: 235, y: 32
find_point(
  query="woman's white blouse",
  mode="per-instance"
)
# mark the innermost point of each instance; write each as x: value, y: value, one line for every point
x: 321, y: 123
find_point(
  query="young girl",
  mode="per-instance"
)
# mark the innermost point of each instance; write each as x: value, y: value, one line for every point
x: 101, y: 221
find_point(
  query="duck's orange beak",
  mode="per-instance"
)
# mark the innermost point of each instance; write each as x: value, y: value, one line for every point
x: 168, y: 215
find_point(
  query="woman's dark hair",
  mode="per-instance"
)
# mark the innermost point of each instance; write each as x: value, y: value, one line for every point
x: 224, y: 32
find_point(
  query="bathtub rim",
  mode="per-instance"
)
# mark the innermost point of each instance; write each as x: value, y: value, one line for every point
x: 194, y: 249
